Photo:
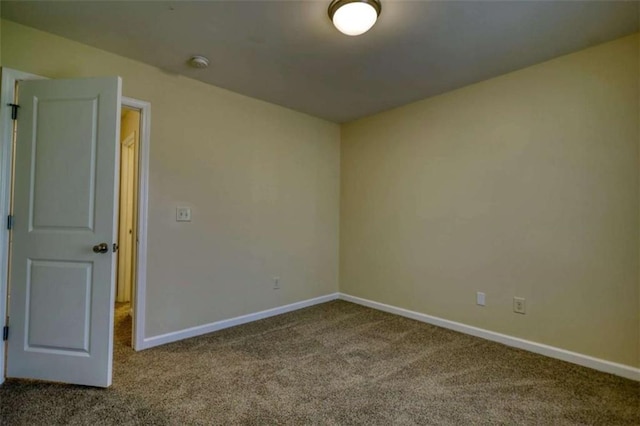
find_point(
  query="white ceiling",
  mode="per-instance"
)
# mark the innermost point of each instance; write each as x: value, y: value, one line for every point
x: 288, y: 53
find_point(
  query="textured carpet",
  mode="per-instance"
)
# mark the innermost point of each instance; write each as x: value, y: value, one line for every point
x: 336, y: 363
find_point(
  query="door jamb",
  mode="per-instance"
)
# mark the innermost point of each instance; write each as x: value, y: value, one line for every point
x: 7, y: 95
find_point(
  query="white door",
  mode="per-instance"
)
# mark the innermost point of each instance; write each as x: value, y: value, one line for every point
x: 65, y: 199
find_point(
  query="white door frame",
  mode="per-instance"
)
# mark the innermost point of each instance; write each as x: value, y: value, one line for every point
x: 7, y: 95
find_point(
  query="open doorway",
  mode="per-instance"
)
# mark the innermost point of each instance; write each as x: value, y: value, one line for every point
x: 130, y: 127
x: 129, y: 318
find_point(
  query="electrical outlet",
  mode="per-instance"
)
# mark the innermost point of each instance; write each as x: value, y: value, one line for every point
x: 183, y: 214
x: 480, y: 298
x: 276, y: 283
x: 519, y: 306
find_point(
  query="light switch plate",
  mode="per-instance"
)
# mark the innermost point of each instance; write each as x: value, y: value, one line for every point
x: 183, y: 214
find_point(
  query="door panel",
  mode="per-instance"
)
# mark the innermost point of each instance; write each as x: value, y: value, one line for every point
x: 53, y: 284
x: 65, y: 202
x: 49, y: 184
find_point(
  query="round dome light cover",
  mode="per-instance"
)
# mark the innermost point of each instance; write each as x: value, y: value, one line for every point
x: 354, y: 17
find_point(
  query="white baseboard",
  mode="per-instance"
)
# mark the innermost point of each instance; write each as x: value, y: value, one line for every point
x: 622, y: 370
x: 550, y: 351
x: 150, y: 342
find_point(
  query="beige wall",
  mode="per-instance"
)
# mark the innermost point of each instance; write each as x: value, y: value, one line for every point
x: 523, y: 185
x: 263, y: 183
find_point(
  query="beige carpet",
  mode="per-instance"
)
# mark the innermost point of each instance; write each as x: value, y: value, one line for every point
x: 336, y: 363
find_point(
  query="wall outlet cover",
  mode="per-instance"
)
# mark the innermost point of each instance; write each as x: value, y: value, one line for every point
x: 519, y: 306
x: 480, y: 298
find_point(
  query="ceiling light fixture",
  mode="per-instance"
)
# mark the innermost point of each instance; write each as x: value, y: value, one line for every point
x: 354, y: 17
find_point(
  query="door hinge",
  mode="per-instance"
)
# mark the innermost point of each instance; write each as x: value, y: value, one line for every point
x: 14, y: 111
x: 5, y: 333
x: 10, y: 222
